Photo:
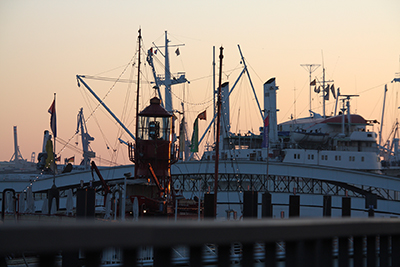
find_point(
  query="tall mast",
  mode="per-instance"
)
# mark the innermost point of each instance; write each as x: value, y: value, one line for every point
x: 137, y: 97
x: 168, y: 98
x: 383, y: 113
x: 218, y: 132
x: 323, y: 92
x: 214, y: 92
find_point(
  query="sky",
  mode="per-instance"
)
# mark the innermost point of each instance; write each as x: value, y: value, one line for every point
x: 45, y: 44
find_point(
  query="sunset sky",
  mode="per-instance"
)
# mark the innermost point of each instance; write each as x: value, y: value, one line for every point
x: 45, y: 44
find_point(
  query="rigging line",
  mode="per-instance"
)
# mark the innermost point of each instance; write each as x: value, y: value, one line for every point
x: 116, y: 81
x: 253, y: 70
x: 118, y: 66
x: 366, y: 90
x: 64, y: 144
x: 189, y: 103
x: 67, y: 145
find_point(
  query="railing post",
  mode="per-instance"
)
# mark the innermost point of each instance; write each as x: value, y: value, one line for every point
x: 224, y: 255
x: 327, y: 206
x: 324, y: 255
x: 346, y: 207
x: 195, y: 256
x: 343, y: 245
x: 358, y: 251
x: 294, y: 206
x: 371, y: 251
x: 291, y: 249
x: 270, y: 254
x: 307, y: 253
x: 395, y: 250
x: 162, y: 257
x: 383, y: 251
x: 129, y: 258
x: 92, y: 258
x: 248, y: 255
x: 267, y: 205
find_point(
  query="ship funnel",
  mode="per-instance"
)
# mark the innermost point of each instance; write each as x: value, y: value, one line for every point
x: 225, y: 116
x: 270, y: 110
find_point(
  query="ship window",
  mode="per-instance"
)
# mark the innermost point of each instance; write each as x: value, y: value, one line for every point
x: 308, y: 156
x: 326, y: 157
x: 322, y: 157
x: 312, y: 156
x: 298, y: 156
x: 362, y: 159
x: 340, y: 157
x: 295, y: 156
x: 336, y: 157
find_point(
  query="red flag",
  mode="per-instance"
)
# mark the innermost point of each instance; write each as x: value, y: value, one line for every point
x: 203, y: 115
x: 313, y: 82
x: 53, y: 120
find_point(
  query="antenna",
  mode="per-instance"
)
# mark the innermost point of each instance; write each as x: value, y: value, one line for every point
x: 310, y: 68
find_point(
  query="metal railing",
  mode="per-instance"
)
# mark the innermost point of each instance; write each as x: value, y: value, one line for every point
x: 306, y: 241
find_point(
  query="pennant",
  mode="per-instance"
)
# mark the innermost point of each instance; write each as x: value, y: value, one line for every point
x: 194, y: 147
x: 317, y: 90
x: 71, y: 159
x: 53, y: 120
x: 203, y: 115
x: 265, y: 142
x: 58, y: 158
x: 313, y: 82
x: 177, y: 52
x: 333, y: 91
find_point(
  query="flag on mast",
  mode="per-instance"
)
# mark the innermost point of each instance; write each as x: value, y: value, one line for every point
x: 265, y: 142
x: 53, y: 119
x: 203, y: 115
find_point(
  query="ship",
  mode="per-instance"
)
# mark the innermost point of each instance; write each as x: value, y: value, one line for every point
x: 330, y: 164
x: 319, y: 155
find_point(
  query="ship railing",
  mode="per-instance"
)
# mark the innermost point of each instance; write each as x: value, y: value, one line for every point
x: 309, y: 241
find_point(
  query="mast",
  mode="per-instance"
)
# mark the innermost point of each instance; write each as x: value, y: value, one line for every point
x: 383, y: 113
x: 214, y: 92
x: 323, y: 92
x: 137, y: 97
x: 218, y: 132
x: 168, y: 98
x: 311, y: 68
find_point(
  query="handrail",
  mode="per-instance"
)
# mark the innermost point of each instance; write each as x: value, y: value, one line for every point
x: 163, y: 235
